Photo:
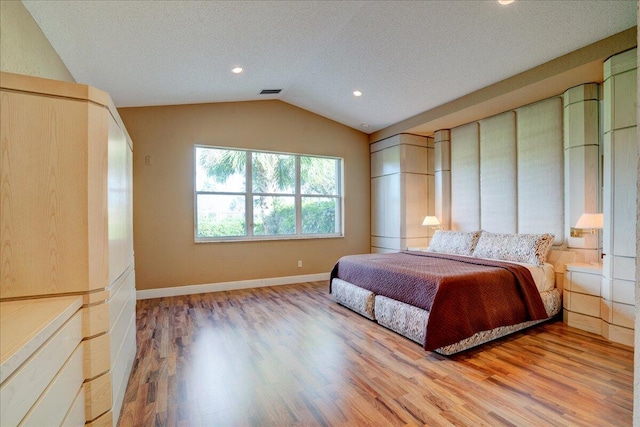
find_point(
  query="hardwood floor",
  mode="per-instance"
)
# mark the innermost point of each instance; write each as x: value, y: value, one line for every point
x: 290, y: 355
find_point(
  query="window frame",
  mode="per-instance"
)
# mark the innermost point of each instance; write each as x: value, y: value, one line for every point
x: 249, y: 195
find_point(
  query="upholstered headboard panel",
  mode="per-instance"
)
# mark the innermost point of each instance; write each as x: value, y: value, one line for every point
x: 507, y: 172
x: 465, y: 182
x: 498, y: 180
x: 541, y: 169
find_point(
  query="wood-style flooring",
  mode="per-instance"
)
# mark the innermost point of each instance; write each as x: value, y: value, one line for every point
x: 290, y: 355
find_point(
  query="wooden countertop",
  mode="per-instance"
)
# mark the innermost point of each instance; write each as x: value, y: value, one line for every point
x: 25, y: 325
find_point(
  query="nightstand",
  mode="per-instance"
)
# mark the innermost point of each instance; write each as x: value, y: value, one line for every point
x: 581, y: 296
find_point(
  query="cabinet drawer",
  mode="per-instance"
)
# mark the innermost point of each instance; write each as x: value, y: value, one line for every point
x: 584, y: 304
x: 581, y: 321
x: 121, y: 368
x: 624, y: 315
x: 120, y: 294
x: 75, y: 416
x: 585, y: 283
x: 623, y: 292
x: 20, y: 392
x: 57, y: 399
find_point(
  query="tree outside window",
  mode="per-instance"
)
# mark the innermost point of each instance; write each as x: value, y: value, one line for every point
x: 246, y: 194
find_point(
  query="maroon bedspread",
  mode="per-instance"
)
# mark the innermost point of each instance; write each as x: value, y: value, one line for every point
x: 463, y: 295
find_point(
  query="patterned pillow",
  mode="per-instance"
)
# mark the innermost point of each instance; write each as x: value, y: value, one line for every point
x: 454, y: 242
x: 529, y: 248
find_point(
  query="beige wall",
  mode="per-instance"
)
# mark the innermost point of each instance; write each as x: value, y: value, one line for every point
x: 23, y: 47
x: 165, y: 252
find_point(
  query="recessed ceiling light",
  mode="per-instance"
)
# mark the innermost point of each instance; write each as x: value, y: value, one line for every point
x: 237, y: 70
x: 505, y: 2
x: 357, y: 93
x: 364, y: 125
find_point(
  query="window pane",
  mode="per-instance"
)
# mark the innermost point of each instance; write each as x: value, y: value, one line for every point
x: 273, y: 173
x: 274, y: 215
x: 318, y: 176
x: 220, y: 216
x: 220, y: 170
x: 319, y: 215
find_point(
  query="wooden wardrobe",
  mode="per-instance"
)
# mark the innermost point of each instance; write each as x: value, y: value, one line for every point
x: 67, y: 279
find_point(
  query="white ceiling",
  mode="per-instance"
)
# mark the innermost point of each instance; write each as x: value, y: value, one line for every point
x: 406, y: 57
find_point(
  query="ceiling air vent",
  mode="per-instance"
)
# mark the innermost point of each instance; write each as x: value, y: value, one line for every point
x: 270, y: 91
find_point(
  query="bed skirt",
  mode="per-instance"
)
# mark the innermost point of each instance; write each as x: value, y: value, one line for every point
x: 411, y: 321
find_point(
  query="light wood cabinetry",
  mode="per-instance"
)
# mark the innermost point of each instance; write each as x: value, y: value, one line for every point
x: 402, y: 192
x: 602, y: 300
x: 442, y: 173
x: 66, y: 221
x: 582, y: 185
x: 41, y: 369
x: 619, y: 197
x: 581, y: 296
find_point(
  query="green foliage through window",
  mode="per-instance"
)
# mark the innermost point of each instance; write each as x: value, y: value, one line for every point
x: 245, y: 194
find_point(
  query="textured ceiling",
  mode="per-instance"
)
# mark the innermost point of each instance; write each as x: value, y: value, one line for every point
x: 406, y: 57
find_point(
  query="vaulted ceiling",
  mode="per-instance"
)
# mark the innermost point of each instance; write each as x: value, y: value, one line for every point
x: 406, y: 57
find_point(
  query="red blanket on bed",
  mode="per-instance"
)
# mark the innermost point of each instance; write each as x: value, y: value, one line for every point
x: 463, y: 295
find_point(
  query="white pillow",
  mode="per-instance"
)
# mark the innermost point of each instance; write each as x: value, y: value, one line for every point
x: 528, y: 248
x: 454, y: 242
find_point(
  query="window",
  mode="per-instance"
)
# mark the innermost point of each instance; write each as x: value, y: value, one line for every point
x: 259, y: 195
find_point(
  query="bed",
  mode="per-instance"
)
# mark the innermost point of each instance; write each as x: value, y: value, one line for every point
x: 465, y: 290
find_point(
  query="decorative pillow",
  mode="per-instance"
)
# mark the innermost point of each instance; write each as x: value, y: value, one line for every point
x: 454, y: 242
x: 529, y: 248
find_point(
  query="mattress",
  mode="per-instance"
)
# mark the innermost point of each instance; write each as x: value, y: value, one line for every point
x: 544, y: 276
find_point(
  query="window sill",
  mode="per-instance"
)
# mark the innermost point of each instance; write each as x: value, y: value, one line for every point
x: 266, y: 238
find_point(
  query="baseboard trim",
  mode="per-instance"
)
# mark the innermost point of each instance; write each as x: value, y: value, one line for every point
x: 228, y: 286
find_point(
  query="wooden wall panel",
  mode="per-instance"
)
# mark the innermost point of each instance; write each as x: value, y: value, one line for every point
x: 619, y: 198
x: 498, y: 180
x: 416, y: 206
x: 581, y: 164
x: 620, y: 86
x: 581, y: 183
x: 385, y: 206
x: 624, y: 153
x: 541, y: 169
x: 401, y: 191
x: 465, y: 178
x: 442, y: 177
x: 377, y: 207
x: 390, y: 160
x: 413, y: 159
x: 391, y: 205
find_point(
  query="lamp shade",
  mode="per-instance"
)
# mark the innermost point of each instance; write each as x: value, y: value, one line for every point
x: 430, y: 221
x: 590, y: 221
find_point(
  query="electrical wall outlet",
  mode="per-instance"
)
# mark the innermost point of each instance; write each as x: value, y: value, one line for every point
x: 299, y: 263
